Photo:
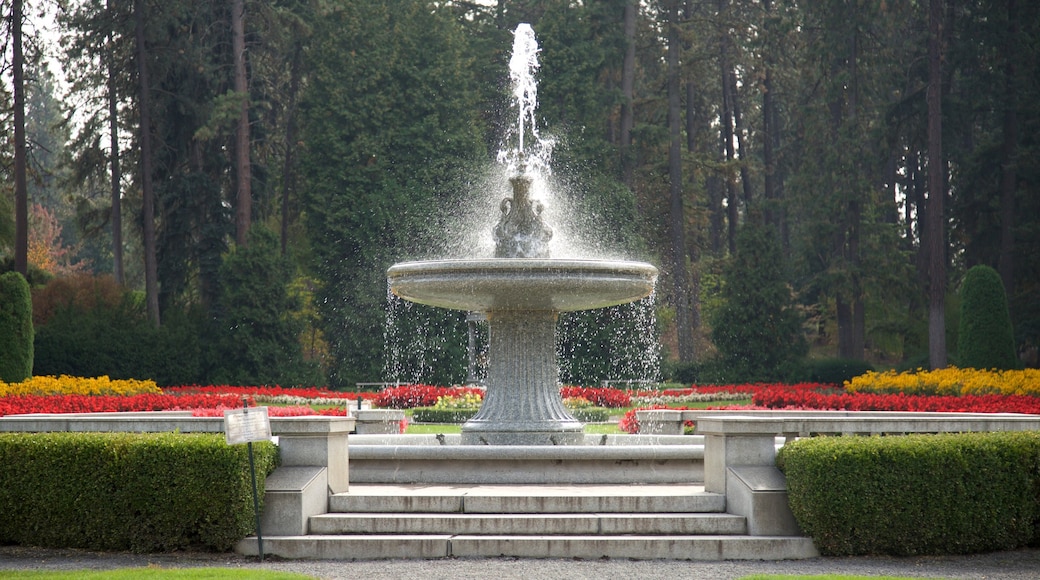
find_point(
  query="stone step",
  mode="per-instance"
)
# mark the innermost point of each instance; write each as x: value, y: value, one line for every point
x: 527, y: 499
x: 583, y: 524
x: 682, y: 547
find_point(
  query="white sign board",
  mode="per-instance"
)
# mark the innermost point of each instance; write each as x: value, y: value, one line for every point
x: 245, y: 425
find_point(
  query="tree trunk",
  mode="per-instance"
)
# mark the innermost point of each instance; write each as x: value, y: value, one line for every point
x: 116, y: 197
x: 288, y: 170
x: 691, y: 147
x: 936, y: 193
x: 21, y: 192
x: 628, y: 78
x: 732, y: 203
x: 244, y: 210
x: 151, y: 277
x: 680, y: 277
x: 738, y: 131
x: 1005, y: 263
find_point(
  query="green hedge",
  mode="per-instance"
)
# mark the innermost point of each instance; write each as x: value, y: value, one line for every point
x: 434, y: 415
x: 918, y: 494
x: 139, y: 492
x: 590, y: 414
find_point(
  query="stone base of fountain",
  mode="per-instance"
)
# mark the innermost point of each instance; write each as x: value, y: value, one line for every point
x: 522, y: 299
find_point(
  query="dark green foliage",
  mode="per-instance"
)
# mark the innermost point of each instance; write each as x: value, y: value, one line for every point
x: 16, y: 328
x: 757, y: 329
x: 696, y: 373
x: 433, y: 415
x: 390, y: 121
x: 918, y: 494
x: 615, y: 343
x: 424, y: 344
x: 257, y: 336
x: 836, y: 370
x: 119, y: 341
x: 985, y: 339
x: 128, y: 491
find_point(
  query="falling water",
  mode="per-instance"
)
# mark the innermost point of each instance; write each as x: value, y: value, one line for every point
x: 633, y: 350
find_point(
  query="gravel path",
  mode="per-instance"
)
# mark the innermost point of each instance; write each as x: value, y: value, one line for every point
x: 1016, y: 565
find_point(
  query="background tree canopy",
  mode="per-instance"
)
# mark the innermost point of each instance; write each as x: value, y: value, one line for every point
x: 367, y: 126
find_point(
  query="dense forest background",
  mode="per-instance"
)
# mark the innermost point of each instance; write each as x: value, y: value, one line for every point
x: 213, y: 190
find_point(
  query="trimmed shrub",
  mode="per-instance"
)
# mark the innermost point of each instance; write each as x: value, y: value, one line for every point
x: 119, y: 341
x: 435, y: 415
x: 128, y: 491
x: 16, y: 328
x: 590, y: 414
x: 915, y: 494
x: 836, y: 371
x: 986, y: 339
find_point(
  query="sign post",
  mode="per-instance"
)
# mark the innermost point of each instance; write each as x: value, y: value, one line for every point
x: 246, y: 425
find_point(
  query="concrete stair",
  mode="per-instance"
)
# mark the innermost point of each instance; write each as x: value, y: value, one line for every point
x: 659, y: 521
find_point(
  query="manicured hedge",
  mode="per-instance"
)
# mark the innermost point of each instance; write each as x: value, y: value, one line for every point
x: 139, y: 492
x: 434, y: 415
x: 916, y: 494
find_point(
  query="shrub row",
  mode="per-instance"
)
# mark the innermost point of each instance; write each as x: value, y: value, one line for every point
x: 128, y: 491
x: 435, y: 415
x: 918, y: 494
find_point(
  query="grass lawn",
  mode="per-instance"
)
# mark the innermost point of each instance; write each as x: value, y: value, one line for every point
x: 590, y: 428
x: 156, y: 573
x: 450, y: 428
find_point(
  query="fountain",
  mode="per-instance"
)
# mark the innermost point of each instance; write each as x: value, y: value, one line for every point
x: 521, y: 291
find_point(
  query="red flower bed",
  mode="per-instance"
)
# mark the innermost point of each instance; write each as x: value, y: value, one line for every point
x: 601, y: 397
x: 299, y: 411
x: 410, y: 396
x: 778, y: 398
x: 749, y: 388
x: 21, y: 404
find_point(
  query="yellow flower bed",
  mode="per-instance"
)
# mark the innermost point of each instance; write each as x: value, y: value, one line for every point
x: 66, y: 385
x: 948, y: 381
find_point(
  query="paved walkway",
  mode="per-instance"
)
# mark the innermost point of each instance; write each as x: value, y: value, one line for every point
x: 1016, y: 565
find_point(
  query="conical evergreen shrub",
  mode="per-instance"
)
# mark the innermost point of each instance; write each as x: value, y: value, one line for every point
x: 16, y: 328
x: 986, y: 339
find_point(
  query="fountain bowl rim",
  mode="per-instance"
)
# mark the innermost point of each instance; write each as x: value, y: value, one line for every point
x: 521, y: 265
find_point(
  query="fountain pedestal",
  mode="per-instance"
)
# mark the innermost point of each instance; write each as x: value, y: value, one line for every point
x: 522, y: 405
x: 522, y: 298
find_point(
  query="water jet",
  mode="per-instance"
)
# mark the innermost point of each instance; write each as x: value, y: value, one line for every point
x: 521, y: 291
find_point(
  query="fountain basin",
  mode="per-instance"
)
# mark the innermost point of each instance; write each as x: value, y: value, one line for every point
x: 522, y: 298
x: 522, y: 284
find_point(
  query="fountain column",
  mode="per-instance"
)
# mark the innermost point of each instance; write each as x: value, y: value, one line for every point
x: 523, y: 404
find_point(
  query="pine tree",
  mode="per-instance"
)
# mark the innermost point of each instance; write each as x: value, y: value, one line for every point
x: 757, y: 329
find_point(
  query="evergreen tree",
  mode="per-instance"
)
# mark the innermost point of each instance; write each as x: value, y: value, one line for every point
x: 986, y: 339
x: 389, y: 122
x: 16, y: 328
x: 258, y: 337
x: 756, y: 329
